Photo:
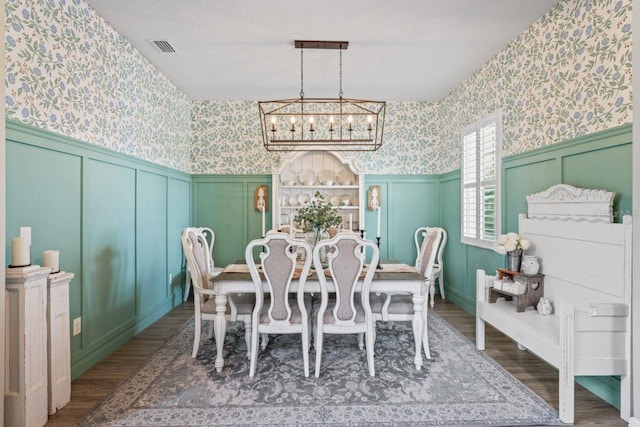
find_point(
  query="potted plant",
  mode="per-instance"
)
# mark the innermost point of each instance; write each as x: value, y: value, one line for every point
x: 511, y: 245
x: 317, y: 217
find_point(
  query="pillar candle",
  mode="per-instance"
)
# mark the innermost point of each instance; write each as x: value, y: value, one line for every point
x: 52, y: 259
x: 263, y: 231
x: 20, y: 255
x: 378, y: 228
x: 350, y: 222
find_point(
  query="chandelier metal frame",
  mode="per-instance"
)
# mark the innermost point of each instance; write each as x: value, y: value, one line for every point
x: 322, y: 124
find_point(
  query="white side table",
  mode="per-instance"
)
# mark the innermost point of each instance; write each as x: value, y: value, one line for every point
x: 26, y: 350
x: 59, y: 342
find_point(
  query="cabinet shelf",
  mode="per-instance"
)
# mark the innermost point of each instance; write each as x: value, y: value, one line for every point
x: 332, y: 207
x: 314, y: 187
x: 312, y: 163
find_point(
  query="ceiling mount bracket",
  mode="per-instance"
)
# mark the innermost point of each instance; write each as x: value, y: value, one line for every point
x: 320, y: 44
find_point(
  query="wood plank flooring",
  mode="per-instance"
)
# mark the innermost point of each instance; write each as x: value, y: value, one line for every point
x: 95, y: 385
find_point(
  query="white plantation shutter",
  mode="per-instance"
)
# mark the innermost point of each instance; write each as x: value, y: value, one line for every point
x: 481, y: 144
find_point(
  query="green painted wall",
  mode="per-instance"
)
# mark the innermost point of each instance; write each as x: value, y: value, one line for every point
x: 117, y: 223
x: 225, y: 203
x: 599, y: 160
x: 408, y: 202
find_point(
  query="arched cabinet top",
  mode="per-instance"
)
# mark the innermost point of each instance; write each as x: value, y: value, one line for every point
x: 290, y: 160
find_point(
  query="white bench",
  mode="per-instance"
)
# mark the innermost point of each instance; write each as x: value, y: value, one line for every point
x: 587, y: 268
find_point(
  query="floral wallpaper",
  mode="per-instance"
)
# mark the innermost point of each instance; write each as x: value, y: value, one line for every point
x: 69, y: 72
x: 227, y: 140
x: 568, y: 75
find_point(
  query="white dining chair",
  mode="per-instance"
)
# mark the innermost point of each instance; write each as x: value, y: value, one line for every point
x: 282, y: 312
x: 239, y: 307
x: 348, y: 312
x: 438, y: 266
x: 210, y: 237
x: 399, y: 307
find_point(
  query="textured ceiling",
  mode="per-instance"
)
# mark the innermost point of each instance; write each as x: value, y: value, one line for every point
x: 405, y: 50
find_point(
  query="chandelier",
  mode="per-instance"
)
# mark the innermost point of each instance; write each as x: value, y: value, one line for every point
x: 320, y: 124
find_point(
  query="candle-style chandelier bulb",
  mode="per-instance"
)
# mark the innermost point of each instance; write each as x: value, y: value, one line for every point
x: 293, y: 126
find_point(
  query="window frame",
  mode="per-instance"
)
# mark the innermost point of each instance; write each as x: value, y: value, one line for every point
x: 478, y: 185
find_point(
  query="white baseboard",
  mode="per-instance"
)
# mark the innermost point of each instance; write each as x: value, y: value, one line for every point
x: 634, y: 422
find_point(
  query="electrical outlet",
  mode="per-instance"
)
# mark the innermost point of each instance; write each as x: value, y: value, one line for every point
x: 26, y: 233
x: 170, y: 278
x: 77, y: 326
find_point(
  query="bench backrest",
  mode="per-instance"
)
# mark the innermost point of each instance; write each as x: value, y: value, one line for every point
x: 585, y: 258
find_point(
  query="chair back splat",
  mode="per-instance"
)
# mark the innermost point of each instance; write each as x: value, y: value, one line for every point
x: 437, y: 271
x: 350, y: 311
x: 277, y: 309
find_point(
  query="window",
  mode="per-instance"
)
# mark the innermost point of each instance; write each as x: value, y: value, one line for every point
x: 481, y: 152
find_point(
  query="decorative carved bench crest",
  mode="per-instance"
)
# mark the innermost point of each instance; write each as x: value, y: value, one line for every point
x: 569, y: 203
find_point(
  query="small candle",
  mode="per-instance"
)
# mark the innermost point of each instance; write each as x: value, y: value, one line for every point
x: 20, y: 256
x: 331, y: 121
x: 350, y: 120
x: 293, y: 124
x: 273, y: 124
x: 263, y: 224
x: 378, y: 229
x: 52, y: 259
x: 350, y: 222
x: 311, y: 124
x: 369, y: 124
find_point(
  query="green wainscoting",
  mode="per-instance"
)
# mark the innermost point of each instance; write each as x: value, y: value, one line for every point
x: 151, y: 235
x: 109, y: 251
x: 116, y: 221
x: 460, y: 260
x: 599, y: 160
x: 407, y: 202
x: 225, y: 204
x: 178, y: 217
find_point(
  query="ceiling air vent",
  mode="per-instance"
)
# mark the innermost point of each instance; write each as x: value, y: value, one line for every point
x: 163, y: 46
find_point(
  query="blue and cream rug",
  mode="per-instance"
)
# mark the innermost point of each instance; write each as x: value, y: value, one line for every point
x: 459, y: 386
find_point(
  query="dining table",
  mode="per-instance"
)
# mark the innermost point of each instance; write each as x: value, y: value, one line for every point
x: 390, y: 277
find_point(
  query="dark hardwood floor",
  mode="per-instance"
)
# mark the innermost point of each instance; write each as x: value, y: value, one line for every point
x: 93, y: 386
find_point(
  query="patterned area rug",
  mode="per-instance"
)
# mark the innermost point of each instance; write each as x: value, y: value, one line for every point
x: 459, y: 386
